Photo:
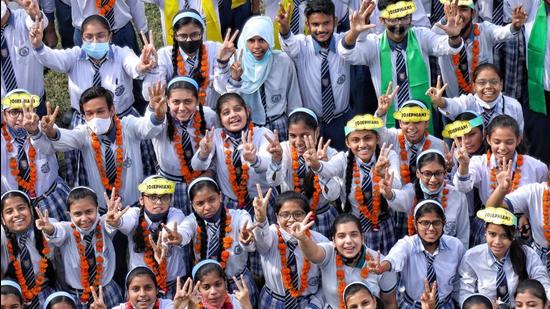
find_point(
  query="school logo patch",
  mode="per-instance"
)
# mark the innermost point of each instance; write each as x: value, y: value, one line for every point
x: 24, y: 51
x: 313, y: 281
x: 45, y: 168
x: 127, y: 162
x: 4, y: 52
x: 276, y: 98
x: 119, y: 90
x: 238, y: 250
x: 450, y: 228
x: 341, y: 79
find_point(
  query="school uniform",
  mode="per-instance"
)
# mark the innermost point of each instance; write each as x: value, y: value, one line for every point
x: 479, y: 269
x: 419, y: 17
x: 457, y: 222
x: 64, y: 239
x: 164, y: 72
x: 409, y: 258
x: 377, y: 284
x: 274, y: 293
x: 177, y: 258
x: 281, y: 175
x: 238, y: 253
x: 133, y: 131
x: 385, y: 237
x: 163, y: 304
x: 50, y: 191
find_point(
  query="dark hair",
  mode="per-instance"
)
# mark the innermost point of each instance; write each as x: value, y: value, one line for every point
x: 505, y: 121
x: 187, y: 86
x: 201, y: 185
x: 533, y: 287
x: 342, y: 219
x: 175, y: 48
x: 230, y: 96
x: 425, y: 159
x: 139, y: 235
x: 484, y: 67
x: 288, y: 196
x: 95, y: 92
x: 80, y: 194
x: 310, y: 122
x: 355, y: 288
x: 319, y: 6
x: 383, y: 4
x: 10, y: 290
x: 466, y: 116
x: 141, y: 271
x: 477, y: 300
x: 207, y: 269
x: 430, y: 208
x: 61, y: 299
x: 516, y: 253
x: 95, y: 19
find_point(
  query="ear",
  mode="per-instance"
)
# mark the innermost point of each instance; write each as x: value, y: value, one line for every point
x: 418, y: 174
x: 347, y: 142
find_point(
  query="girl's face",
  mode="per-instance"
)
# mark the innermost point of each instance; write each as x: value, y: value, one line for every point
x: 429, y: 227
x: 83, y: 213
x: 488, y: 85
x: 432, y: 175
x: 13, y: 118
x: 348, y: 239
x: 472, y: 140
x: 233, y: 116
x: 16, y: 214
x: 188, y: 32
x: 497, y: 240
x: 213, y: 289
x: 290, y: 213
x: 297, y: 134
x: 182, y: 104
x: 257, y: 46
x: 95, y: 32
x: 142, y: 292
x: 156, y: 203
x: 414, y: 131
x: 207, y: 202
x: 362, y: 299
x: 528, y: 300
x: 503, y: 142
x: 10, y: 301
x: 63, y: 305
x: 362, y: 144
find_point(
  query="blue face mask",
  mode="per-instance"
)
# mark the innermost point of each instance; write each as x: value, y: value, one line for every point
x: 95, y: 50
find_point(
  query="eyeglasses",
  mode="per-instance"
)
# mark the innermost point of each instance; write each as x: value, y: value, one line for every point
x: 483, y: 82
x: 299, y: 215
x: 184, y: 36
x: 402, y: 20
x: 429, y: 175
x: 427, y: 223
x: 165, y: 198
x: 15, y: 113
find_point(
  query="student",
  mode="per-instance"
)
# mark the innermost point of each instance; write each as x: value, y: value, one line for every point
x: 88, y: 254
x: 190, y: 55
x: 11, y: 295
x: 344, y: 260
x: 495, y: 268
x: 431, y: 185
x: 291, y: 280
x: 427, y: 255
x: 60, y: 300
x: 143, y: 226
x: 531, y: 294
x: 26, y: 255
x: 360, y: 170
x: 487, y: 100
x: 289, y: 171
x: 168, y: 10
x: 142, y: 291
x: 357, y: 295
x: 323, y: 76
x: 186, y: 123
x: 24, y: 166
x: 264, y: 77
x: 477, y: 301
x: 110, y: 146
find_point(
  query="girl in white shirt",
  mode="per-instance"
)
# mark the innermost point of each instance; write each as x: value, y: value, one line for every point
x: 142, y: 291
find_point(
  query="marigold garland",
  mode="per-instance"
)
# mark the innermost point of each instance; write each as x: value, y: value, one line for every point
x: 104, y: 9
x: 188, y: 174
x: 29, y: 185
x: 227, y: 240
x: 517, y: 173
x: 84, y: 266
x: 30, y: 294
x: 341, y: 276
x: 239, y: 189
x: 96, y: 145
x: 130, y: 306
x: 405, y: 171
x: 204, y: 72
x: 462, y: 83
x: 546, y: 213
x: 410, y: 219
x: 226, y: 303
x: 360, y: 197
x: 296, y: 182
x: 149, y: 258
x: 286, y: 273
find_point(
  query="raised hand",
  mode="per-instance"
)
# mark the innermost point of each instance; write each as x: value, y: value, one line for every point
x: 386, y: 185
x: 48, y: 120
x: 283, y: 18
x: 43, y: 222
x: 260, y: 204
x: 322, y: 148
x: 157, y: 100
x: 183, y: 293
x: 383, y: 161
x: 98, y: 298
x: 299, y: 229
x: 436, y: 93
x: 171, y: 235
x: 374, y: 265
x: 36, y: 34
x: 236, y: 69
x: 455, y: 22
x: 241, y: 293
x: 384, y: 101
x: 274, y: 147
x: 206, y: 144
x: 310, y: 155
x: 249, y: 149
x: 148, y: 54
x: 359, y: 21
x: 461, y: 154
x: 519, y: 16
x: 246, y: 235
x: 114, y: 209
x: 159, y: 249
x: 30, y: 118
x: 228, y: 46
x: 504, y: 176
x: 428, y: 297
x: 31, y: 7
x: 448, y: 156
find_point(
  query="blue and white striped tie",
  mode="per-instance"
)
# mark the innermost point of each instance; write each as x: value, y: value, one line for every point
x: 464, y: 68
x: 487, y: 116
x: 295, y: 17
x: 110, y: 165
x: 502, y: 284
x: 28, y: 270
x: 90, y: 256
x: 437, y: 12
x: 97, y: 67
x: 366, y: 187
x: 401, y: 73
x: 263, y: 99
x: 8, y: 74
x: 431, y: 275
x: 186, y: 138
x: 498, y: 19
x: 109, y: 15
x: 326, y: 89
x: 192, y: 62
x: 213, y: 241
x: 291, y: 302
x: 22, y: 159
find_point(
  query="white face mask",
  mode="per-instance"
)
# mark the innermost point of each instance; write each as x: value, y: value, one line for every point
x: 88, y: 230
x: 4, y: 9
x: 100, y: 125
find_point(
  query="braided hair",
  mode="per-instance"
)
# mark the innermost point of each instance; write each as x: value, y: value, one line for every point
x: 176, y: 50
x: 138, y: 237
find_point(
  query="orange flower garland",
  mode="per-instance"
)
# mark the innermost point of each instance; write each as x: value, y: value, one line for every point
x: 30, y: 294
x: 149, y: 258
x: 103, y: 9
x: 341, y: 276
x: 204, y: 72
x: 227, y: 240
x: 546, y: 213
x: 96, y: 145
x: 29, y: 185
x: 405, y: 171
x: 410, y: 219
x: 360, y: 197
x: 84, y: 275
x: 296, y: 181
x: 240, y: 190
x: 286, y: 273
x: 463, y: 84
x: 517, y: 173
x: 186, y: 172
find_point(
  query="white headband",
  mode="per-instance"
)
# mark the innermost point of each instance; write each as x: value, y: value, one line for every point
x: 191, y: 15
x: 27, y: 198
x: 423, y: 153
x: 194, y: 182
x: 424, y: 202
x: 304, y: 110
x: 58, y: 294
x: 12, y: 284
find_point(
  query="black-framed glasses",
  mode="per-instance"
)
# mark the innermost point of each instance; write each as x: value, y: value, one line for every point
x: 165, y: 198
x: 429, y: 174
x: 298, y: 215
x: 427, y: 223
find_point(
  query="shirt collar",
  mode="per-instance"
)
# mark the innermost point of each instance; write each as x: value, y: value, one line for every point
x: 331, y: 45
x: 110, y: 54
x: 419, y: 144
x: 402, y: 44
x: 372, y: 161
x: 11, y: 19
x: 492, y: 259
x: 419, y: 246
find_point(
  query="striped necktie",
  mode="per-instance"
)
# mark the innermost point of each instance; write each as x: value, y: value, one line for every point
x: 487, y: 116
x: 109, y: 15
x: 366, y: 187
x: 264, y: 101
x: 186, y: 139
x: 302, y: 168
x: 326, y: 89
x: 192, y: 62
x: 110, y: 166
x: 22, y: 159
x: 291, y: 302
x: 548, y: 260
x: 90, y: 256
x: 213, y: 240
x: 502, y: 284
x: 97, y: 74
x: 498, y: 12
x: 27, y: 268
x: 8, y: 74
x: 431, y: 275
x: 464, y: 68
x: 412, y: 162
x: 295, y: 18
x: 437, y: 12
x: 401, y: 72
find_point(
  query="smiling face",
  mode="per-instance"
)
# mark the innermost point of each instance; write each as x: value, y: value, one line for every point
x: 488, y: 85
x: 206, y: 202
x: 429, y: 227
x: 142, y: 292
x: 257, y: 46
x: 182, y: 104
x: 472, y: 140
x: 503, y: 142
x: 233, y: 115
x: 213, y: 289
x: 497, y: 240
x: 16, y: 214
x: 414, y: 131
x: 436, y: 173
x: 348, y: 240
x: 297, y: 134
x: 83, y: 212
x: 362, y: 144
x: 290, y: 213
x: 321, y: 27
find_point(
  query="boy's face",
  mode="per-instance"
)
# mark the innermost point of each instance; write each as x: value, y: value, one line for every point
x: 97, y: 108
x: 13, y: 118
x: 396, y: 28
x: 83, y: 213
x: 414, y: 131
x: 321, y: 27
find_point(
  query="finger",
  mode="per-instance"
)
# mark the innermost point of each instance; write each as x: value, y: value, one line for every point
x: 391, y: 178
x: 426, y: 285
x: 101, y: 292
x: 152, y: 242
x: 443, y: 88
x: 310, y: 224
x: 394, y: 92
x: 234, y: 58
x: 438, y: 84
x: 227, y: 34
x: 55, y: 112
x: 268, y: 195
x: 269, y: 140
x: 259, y: 189
x: 234, y: 36
x: 169, y: 230
x: 241, y: 56
x: 94, y: 295
x: 188, y: 286
x: 144, y: 38
x: 509, y: 170
x: 151, y: 40
x: 178, y: 284
x: 306, y: 219
x: 327, y: 144
x: 123, y: 211
x: 237, y: 283
x: 389, y: 89
x: 276, y: 135
x: 48, y: 108
x: 39, y: 213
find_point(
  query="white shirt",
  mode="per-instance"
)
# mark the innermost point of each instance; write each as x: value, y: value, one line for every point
x: 479, y: 175
x: 133, y: 131
x: 256, y: 172
x: 28, y: 70
x: 238, y: 253
x: 164, y: 304
x: 457, y: 221
x: 484, y: 9
x: 117, y: 72
x: 175, y: 257
x: 165, y: 71
x: 478, y: 272
x: 31, y: 246
x: 528, y: 29
x: 408, y: 258
x: 160, y: 4
x: 125, y: 11
x: 305, y: 52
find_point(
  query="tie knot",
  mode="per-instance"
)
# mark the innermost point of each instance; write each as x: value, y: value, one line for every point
x: 291, y: 244
x: 398, y: 48
x: 22, y: 239
x: 20, y: 141
x: 500, y: 264
x: 366, y: 167
x: 429, y: 258
x: 106, y: 141
x: 323, y: 52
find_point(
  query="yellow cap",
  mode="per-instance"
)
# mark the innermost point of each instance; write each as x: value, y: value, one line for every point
x: 363, y: 122
x: 497, y: 215
x: 17, y: 97
x: 413, y: 113
x: 398, y: 10
x: 157, y: 185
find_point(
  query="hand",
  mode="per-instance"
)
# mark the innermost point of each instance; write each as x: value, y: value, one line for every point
x: 114, y: 209
x: 322, y: 149
x: 249, y: 149
x: 436, y: 93
x: 31, y: 7
x: 461, y: 154
x: 260, y: 204
x: 449, y: 156
x: 384, y: 101
x: 283, y: 18
x: 242, y: 293
x: 148, y: 54
x: 157, y: 100
x: 455, y: 22
x: 374, y: 265
x: 236, y: 69
x: 43, y: 222
x: 383, y: 162
x: 504, y: 176
x: 228, y: 47
x: 171, y: 235
x: 206, y: 144
x: 359, y: 21
x: 519, y: 16
x: 274, y: 147
x: 386, y: 185
x: 246, y: 235
x: 299, y: 229
x: 98, y: 298
x: 30, y: 118
x: 48, y: 120
x: 158, y: 248
x: 183, y: 293
x: 428, y: 297
x: 36, y: 33
x: 310, y: 155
